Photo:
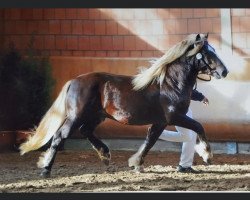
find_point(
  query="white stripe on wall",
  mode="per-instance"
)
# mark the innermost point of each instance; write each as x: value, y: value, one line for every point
x: 226, y: 31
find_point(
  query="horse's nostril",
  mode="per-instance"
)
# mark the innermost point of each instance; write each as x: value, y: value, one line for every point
x: 224, y: 73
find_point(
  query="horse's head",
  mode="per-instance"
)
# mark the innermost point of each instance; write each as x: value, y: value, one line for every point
x: 208, y: 61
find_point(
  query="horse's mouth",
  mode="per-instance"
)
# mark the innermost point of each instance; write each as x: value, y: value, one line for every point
x: 216, y: 75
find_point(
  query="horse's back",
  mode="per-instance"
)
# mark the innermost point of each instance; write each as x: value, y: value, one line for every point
x: 104, y: 76
x: 100, y: 80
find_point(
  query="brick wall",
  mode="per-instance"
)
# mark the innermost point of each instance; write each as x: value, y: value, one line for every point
x: 107, y: 32
x: 118, y: 32
x: 71, y: 36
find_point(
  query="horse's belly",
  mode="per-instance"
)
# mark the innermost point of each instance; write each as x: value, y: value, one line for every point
x: 144, y: 119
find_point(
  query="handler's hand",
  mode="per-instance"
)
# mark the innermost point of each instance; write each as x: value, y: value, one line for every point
x: 205, y: 101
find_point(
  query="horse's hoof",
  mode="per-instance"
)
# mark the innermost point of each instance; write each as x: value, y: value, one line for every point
x: 130, y: 164
x: 133, y: 161
x: 45, y: 173
x: 105, y: 158
x: 106, y: 162
x: 208, y: 161
x: 138, y: 169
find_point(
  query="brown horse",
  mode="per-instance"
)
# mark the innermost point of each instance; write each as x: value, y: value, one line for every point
x: 159, y: 95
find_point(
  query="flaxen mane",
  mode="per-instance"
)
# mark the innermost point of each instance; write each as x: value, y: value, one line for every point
x: 158, y: 69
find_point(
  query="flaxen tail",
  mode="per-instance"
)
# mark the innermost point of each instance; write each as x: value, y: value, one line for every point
x: 49, y: 124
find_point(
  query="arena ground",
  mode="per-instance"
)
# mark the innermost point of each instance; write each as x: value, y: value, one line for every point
x: 82, y: 171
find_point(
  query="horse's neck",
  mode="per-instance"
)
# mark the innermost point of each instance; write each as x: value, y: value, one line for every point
x: 179, y: 81
x: 181, y: 74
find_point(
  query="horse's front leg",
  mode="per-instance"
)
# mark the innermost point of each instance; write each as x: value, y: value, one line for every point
x: 202, y: 146
x: 137, y: 159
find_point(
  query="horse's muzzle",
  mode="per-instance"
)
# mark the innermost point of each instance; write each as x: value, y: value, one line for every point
x: 224, y: 73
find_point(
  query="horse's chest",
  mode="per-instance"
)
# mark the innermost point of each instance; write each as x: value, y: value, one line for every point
x: 174, y: 102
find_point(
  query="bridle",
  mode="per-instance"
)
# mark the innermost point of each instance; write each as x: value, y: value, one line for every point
x: 200, y: 57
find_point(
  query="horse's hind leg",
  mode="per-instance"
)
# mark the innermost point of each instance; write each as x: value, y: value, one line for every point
x: 101, y: 149
x: 154, y: 132
x: 47, y: 159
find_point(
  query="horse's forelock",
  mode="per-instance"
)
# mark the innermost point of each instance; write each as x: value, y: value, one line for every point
x: 198, y: 44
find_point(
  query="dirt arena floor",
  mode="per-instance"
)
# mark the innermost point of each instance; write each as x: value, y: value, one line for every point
x: 82, y: 171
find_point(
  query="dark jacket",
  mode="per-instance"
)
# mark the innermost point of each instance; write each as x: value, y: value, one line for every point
x: 197, y: 96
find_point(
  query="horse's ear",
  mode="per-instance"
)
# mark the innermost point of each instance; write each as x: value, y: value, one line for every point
x: 193, y: 49
x: 206, y: 36
x: 198, y: 37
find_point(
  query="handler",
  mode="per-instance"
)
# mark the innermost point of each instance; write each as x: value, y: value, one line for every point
x: 187, y: 136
